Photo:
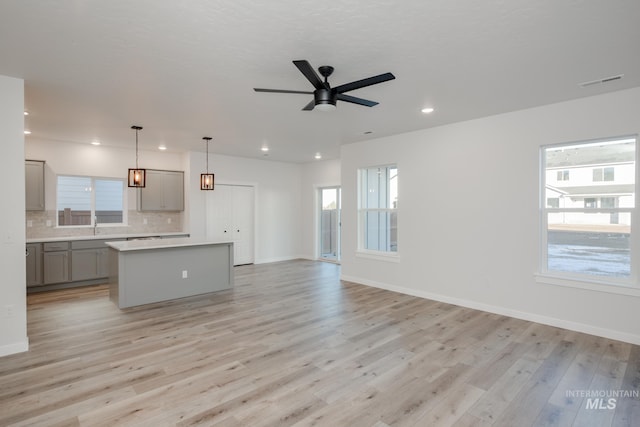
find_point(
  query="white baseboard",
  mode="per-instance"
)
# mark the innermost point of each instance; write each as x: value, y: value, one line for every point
x: 18, y: 347
x: 504, y: 311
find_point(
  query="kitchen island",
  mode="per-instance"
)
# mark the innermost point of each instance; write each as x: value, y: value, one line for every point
x: 148, y: 271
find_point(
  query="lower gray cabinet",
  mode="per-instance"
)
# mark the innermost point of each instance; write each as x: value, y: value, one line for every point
x: 56, y: 267
x: 34, y: 264
x: 69, y: 263
x: 87, y: 264
x: 89, y: 260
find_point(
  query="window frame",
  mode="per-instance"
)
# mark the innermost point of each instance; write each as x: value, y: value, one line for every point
x: 611, y: 284
x: 362, y: 250
x: 93, y: 179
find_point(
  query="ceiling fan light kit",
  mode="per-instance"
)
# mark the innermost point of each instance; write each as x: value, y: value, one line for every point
x: 324, y: 96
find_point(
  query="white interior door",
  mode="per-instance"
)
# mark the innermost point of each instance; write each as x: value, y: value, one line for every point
x: 230, y: 217
x: 242, y: 231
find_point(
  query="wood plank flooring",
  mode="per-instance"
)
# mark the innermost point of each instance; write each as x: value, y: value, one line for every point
x: 292, y: 345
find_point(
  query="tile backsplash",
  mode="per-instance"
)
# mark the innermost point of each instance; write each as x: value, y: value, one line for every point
x: 156, y: 222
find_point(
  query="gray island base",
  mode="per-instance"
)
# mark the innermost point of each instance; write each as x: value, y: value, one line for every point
x: 148, y: 271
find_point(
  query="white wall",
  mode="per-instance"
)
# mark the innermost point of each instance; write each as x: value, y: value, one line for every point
x: 468, y: 214
x: 13, y: 303
x: 85, y: 159
x: 277, y: 201
x: 315, y: 175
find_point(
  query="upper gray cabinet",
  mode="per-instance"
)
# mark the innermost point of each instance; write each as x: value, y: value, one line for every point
x: 164, y: 191
x: 34, y: 185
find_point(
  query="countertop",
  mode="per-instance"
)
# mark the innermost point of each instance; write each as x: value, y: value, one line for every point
x: 103, y: 237
x: 140, y: 245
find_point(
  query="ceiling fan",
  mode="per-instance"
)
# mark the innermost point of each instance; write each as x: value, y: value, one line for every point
x: 324, y: 96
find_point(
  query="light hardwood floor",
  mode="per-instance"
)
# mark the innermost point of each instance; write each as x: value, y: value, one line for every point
x: 292, y: 345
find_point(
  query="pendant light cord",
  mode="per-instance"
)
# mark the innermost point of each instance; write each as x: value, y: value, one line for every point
x: 207, y: 139
x: 136, y: 128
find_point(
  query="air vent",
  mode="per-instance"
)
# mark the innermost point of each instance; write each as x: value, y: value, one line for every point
x: 600, y: 81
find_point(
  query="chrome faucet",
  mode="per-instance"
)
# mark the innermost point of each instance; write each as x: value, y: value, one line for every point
x: 95, y: 224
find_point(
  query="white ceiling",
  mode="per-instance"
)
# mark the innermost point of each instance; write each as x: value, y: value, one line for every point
x: 185, y: 69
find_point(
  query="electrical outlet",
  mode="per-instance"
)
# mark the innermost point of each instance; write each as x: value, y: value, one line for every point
x: 168, y: 220
x: 144, y: 221
x: 185, y: 274
x: 48, y: 223
x: 29, y: 223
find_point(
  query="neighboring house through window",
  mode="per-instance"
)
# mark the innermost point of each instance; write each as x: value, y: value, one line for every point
x: 587, y: 225
x: 85, y: 200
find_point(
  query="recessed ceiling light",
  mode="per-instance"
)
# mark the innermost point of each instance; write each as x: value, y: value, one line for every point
x: 265, y: 148
x: 162, y: 147
x: 318, y: 156
x: 369, y: 132
x: 95, y: 142
x: 26, y: 113
x: 427, y: 110
x: 27, y: 132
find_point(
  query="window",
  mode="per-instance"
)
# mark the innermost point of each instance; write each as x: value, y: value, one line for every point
x: 562, y: 175
x: 587, y: 233
x: 590, y: 202
x: 378, y: 203
x: 553, y: 202
x: 603, y: 174
x: 608, y: 202
x: 84, y: 200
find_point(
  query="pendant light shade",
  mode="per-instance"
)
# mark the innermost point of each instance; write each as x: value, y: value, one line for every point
x: 206, y: 179
x: 137, y: 176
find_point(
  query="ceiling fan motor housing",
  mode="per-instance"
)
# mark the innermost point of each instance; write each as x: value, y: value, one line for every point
x: 325, y: 96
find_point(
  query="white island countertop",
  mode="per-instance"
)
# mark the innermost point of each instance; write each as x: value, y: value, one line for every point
x: 141, y: 245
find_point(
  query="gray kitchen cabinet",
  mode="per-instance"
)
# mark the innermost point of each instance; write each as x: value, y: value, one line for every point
x: 89, y: 260
x: 34, y: 264
x: 56, y: 260
x: 34, y: 185
x: 164, y: 191
x: 88, y: 264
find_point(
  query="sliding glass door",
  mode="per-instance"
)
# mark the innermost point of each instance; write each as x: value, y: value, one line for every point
x: 329, y: 230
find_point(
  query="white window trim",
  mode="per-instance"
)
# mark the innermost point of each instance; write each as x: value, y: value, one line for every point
x: 624, y: 286
x: 587, y: 283
x: 378, y: 255
x: 361, y: 252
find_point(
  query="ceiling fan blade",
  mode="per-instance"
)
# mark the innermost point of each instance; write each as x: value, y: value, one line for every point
x: 309, y: 106
x: 306, y: 69
x: 257, y: 89
x: 354, y: 100
x: 364, y: 82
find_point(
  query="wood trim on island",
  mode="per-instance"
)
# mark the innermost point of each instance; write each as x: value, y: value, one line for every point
x: 148, y: 271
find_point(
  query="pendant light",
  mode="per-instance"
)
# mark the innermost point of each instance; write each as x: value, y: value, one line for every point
x: 137, y: 175
x: 206, y: 179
